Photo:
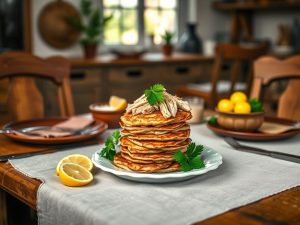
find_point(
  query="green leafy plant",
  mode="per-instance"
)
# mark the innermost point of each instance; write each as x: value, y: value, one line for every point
x: 155, y: 94
x: 111, y: 143
x: 256, y: 105
x: 91, y: 23
x: 213, y: 120
x: 191, y: 159
x: 168, y: 37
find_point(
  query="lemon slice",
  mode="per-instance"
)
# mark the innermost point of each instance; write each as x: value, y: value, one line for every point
x: 79, y: 159
x: 74, y: 175
x: 117, y: 103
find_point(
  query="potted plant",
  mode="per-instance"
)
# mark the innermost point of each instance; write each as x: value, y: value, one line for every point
x: 167, y: 47
x: 91, y: 26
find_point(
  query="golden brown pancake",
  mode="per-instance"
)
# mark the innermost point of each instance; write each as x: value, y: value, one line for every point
x: 145, y: 161
x: 174, y: 167
x: 154, y: 119
x: 155, y: 144
x: 153, y: 151
x: 156, y: 129
x: 176, y: 136
x: 119, y: 161
x: 162, y: 156
x: 139, y: 149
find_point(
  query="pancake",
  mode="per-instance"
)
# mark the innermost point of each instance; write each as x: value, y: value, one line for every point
x: 125, y: 142
x: 139, y: 167
x: 174, y: 167
x: 156, y: 130
x: 176, y: 136
x: 161, y: 156
x: 136, y: 150
x: 154, y: 119
x: 155, y: 144
x: 142, y: 161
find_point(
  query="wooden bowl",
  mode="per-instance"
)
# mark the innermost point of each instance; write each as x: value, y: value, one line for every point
x: 111, y: 117
x: 240, y: 122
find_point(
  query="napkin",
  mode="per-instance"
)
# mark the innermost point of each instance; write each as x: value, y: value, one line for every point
x: 63, y: 129
x: 276, y: 128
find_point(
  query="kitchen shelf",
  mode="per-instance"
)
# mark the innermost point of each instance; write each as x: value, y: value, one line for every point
x: 262, y: 5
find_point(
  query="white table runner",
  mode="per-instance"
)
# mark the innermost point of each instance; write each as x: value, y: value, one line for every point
x: 243, y: 178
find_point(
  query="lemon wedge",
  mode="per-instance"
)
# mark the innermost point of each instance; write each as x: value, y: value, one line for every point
x: 117, y: 103
x: 79, y: 159
x: 74, y: 175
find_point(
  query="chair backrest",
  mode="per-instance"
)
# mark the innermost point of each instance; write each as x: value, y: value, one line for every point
x: 237, y: 55
x: 24, y: 99
x: 268, y: 69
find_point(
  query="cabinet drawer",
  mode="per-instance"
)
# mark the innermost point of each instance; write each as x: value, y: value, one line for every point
x: 185, y: 73
x: 130, y: 82
x: 128, y: 76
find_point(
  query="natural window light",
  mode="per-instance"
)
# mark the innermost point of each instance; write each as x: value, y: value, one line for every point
x: 135, y: 20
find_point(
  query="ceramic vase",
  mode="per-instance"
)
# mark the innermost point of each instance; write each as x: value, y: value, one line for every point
x: 190, y: 42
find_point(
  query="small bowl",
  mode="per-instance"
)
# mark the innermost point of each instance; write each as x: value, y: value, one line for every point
x: 240, y: 122
x: 111, y: 117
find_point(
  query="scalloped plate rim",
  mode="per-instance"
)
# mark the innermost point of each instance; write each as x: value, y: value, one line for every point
x: 100, y: 161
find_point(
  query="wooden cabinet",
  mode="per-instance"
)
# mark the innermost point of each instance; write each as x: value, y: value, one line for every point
x: 104, y: 77
x: 96, y: 80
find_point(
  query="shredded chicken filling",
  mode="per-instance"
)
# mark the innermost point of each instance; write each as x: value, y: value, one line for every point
x: 168, y: 107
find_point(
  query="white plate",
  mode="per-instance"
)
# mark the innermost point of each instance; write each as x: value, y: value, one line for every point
x: 212, y: 160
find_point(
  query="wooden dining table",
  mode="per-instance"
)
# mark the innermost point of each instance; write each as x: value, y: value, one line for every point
x: 279, y: 209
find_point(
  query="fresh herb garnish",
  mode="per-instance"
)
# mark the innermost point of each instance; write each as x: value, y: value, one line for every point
x: 213, y: 120
x: 155, y: 94
x: 256, y: 105
x: 111, y: 142
x: 191, y: 159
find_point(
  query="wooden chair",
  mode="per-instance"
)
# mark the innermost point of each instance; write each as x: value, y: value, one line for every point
x: 24, y: 99
x: 237, y: 56
x: 268, y: 69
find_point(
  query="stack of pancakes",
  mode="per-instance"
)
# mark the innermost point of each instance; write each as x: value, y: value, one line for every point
x: 149, y: 141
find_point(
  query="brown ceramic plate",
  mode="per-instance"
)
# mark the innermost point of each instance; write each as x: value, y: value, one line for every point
x: 256, y: 136
x: 26, y: 125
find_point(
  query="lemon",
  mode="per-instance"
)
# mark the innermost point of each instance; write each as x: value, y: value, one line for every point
x: 117, y: 103
x: 242, y: 107
x: 225, y: 105
x: 74, y: 175
x: 79, y: 159
x: 238, y: 97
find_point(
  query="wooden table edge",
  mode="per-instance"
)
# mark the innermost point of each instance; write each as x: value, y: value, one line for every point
x: 25, y: 189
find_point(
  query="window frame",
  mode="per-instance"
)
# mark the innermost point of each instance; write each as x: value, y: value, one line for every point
x: 181, y: 17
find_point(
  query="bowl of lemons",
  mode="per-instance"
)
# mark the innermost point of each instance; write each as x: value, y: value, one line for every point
x: 109, y: 112
x: 240, y: 113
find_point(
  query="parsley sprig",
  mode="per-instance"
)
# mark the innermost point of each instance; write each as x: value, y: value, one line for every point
x: 213, y: 120
x: 111, y: 142
x: 191, y: 159
x: 155, y: 94
x: 256, y: 105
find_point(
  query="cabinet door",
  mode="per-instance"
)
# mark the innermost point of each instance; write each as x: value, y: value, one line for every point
x: 87, y: 89
x: 176, y: 75
x: 129, y: 82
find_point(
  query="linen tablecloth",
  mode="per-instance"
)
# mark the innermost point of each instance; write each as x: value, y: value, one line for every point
x: 241, y: 179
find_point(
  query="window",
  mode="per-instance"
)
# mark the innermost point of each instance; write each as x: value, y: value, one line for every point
x: 133, y: 20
